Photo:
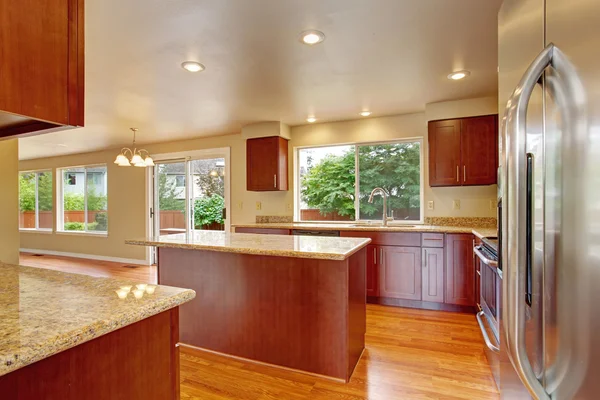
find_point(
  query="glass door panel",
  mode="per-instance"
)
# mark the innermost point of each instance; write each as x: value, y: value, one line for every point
x: 207, y: 194
x: 170, y: 198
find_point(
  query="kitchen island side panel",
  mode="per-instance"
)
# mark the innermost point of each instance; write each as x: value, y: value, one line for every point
x: 286, y: 311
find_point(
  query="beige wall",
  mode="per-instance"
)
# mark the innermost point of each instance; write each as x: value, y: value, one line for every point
x: 127, y: 194
x: 9, y: 201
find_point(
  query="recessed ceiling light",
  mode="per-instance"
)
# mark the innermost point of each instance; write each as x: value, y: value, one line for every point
x: 456, y: 75
x: 312, y: 37
x: 311, y: 119
x: 365, y: 113
x: 192, y: 66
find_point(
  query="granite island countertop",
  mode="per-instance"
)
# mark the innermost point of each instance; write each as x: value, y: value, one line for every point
x: 326, y: 248
x: 44, y: 312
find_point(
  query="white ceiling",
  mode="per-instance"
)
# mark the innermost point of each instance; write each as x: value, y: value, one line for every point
x: 388, y: 56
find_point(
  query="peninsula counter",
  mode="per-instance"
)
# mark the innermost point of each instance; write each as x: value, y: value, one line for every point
x: 297, y: 302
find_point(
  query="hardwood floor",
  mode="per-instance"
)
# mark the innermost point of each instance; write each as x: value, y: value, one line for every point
x: 107, y: 269
x: 410, y: 354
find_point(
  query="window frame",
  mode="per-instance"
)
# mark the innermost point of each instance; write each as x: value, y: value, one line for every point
x: 357, y: 145
x: 37, y: 228
x: 60, y: 201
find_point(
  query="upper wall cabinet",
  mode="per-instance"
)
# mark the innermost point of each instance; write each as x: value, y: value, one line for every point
x: 267, y: 164
x: 41, y: 66
x: 464, y: 151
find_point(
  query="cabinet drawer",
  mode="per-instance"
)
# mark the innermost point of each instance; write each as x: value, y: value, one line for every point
x: 264, y: 231
x: 387, y: 238
x: 432, y: 240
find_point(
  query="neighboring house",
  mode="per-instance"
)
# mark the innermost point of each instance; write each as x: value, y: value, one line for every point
x: 74, y: 182
x: 176, y: 176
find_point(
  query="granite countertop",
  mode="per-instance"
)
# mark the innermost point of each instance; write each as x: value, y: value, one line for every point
x: 326, y: 248
x: 44, y: 312
x: 485, y: 232
x: 362, y: 227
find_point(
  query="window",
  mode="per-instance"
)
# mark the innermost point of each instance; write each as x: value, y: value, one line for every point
x: 180, y: 181
x: 35, y: 200
x: 335, y: 182
x: 83, y: 199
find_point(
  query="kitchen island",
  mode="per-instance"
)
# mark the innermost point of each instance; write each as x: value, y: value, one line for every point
x: 69, y: 336
x: 292, y: 301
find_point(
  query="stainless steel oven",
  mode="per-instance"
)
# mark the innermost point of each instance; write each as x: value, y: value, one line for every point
x: 489, y: 301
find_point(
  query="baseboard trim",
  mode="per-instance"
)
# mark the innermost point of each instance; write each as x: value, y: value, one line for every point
x: 86, y: 256
x: 423, y: 305
x: 192, y: 350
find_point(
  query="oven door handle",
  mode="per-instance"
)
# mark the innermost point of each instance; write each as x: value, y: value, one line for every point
x: 483, y: 258
x: 486, y: 338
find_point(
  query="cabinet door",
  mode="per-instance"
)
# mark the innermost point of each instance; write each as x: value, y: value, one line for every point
x: 444, y: 153
x: 460, y: 279
x: 400, y: 272
x: 433, y: 274
x: 266, y: 164
x: 372, y: 271
x: 479, y: 150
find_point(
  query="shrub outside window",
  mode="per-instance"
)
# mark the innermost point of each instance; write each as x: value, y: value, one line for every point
x: 335, y: 181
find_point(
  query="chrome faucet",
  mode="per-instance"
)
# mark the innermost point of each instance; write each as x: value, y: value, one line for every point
x: 385, y: 195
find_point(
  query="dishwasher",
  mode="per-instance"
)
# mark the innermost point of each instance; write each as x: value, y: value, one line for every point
x: 306, y: 232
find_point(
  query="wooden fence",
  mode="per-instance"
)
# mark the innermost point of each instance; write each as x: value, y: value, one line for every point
x: 27, y: 218
x: 174, y: 222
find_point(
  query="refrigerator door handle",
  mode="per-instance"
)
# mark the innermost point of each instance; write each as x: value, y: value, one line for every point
x: 515, y: 214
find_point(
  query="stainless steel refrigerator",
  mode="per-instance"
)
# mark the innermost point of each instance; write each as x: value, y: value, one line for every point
x: 549, y: 93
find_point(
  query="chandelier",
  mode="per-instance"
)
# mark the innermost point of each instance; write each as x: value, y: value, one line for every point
x: 137, y: 156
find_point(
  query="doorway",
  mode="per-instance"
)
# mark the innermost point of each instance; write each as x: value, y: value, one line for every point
x: 190, y: 192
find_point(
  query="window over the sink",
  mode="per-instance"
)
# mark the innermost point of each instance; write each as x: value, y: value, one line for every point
x: 333, y: 183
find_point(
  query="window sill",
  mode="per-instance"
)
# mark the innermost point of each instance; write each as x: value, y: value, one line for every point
x: 43, y: 231
x: 82, y: 233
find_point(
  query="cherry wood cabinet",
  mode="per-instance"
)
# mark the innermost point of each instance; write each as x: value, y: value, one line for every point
x: 400, y: 272
x: 433, y: 274
x: 479, y: 146
x: 263, y: 231
x: 463, y: 152
x: 460, y: 272
x: 372, y: 271
x: 444, y: 153
x: 267, y: 164
x: 41, y: 66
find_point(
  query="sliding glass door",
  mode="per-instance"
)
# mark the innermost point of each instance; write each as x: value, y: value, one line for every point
x: 190, y: 193
x: 207, y: 194
x: 170, y: 197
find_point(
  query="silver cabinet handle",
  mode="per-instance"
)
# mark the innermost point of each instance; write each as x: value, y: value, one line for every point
x: 486, y: 338
x: 375, y: 256
x: 275, y: 181
x: 457, y: 178
x: 424, y: 258
x: 464, y: 173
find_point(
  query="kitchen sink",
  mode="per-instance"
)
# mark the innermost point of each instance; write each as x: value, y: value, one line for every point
x: 380, y: 226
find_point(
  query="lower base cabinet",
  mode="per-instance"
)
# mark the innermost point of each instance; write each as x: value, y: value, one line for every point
x: 400, y: 272
x: 372, y: 271
x: 433, y: 274
x: 419, y: 270
x: 460, y: 271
